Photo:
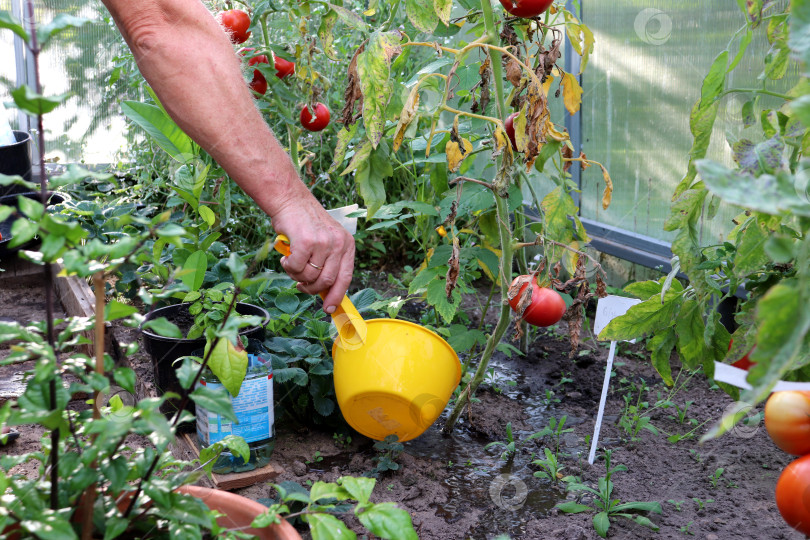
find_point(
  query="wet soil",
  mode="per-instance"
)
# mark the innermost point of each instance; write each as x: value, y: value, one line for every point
x: 455, y: 488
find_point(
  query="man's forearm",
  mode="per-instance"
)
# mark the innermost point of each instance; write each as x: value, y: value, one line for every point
x: 208, y: 97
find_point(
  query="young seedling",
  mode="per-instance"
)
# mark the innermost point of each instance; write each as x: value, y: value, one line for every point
x: 551, y: 468
x: 701, y: 503
x: 714, y: 478
x: 606, y: 506
x: 676, y: 504
x: 685, y: 529
x: 695, y: 455
x: 388, y: 450
x: 316, y: 458
x: 511, y: 446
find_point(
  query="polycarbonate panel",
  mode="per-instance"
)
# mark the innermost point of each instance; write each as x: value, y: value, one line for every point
x: 643, y: 79
x: 88, y: 127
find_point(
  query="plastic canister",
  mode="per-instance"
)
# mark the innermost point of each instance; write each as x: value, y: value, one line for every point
x: 256, y: 419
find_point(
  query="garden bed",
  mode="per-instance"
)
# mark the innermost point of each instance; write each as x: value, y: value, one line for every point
x: 455, y: 488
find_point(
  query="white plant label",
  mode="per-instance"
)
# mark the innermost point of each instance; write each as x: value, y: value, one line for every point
x: 610, y: 307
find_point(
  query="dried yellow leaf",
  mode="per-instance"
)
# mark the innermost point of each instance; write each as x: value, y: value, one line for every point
x: 607, y: 195
x: 406, y: 117
x: 456, y: 153
x: 572, y: 93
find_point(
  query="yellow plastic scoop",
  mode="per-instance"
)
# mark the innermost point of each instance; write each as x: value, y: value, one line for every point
x: 392, y: 377
x: 350, y: 325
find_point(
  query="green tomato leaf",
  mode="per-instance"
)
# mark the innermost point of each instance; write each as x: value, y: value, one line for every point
x: 374, y: 69
x: 349, y: 18
x: 387, y: 521
x: 422, y: 15
x: 327, y: 37
x: 228, y: 363
x: 644, y: 318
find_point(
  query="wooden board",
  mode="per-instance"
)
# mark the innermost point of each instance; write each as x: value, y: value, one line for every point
x: 77, y: 298
x: 186, y: 444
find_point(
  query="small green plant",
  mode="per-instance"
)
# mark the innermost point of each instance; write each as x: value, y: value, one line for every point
x: 676, y: 504
x: 701, y: 504
x: 685, y: 529
x: 714, y: 478
x: 605, y: 505
x: 551, y: 468
x: 316, y: 458
x: 511, y: 446
x: 680, y: 414
x: 342, y: 441
x: 635, y: 415
x: 556, y: 429
x: 326, y: 500
x: 695, y: 455
x: 388, y: 450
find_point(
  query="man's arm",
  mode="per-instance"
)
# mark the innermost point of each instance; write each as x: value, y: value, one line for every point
x: 189, y: 62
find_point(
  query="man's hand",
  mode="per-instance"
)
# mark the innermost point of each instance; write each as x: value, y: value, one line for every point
x: 322, y: 252
x: 187, y: 59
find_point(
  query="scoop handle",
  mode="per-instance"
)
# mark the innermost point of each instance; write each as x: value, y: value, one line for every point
x: 351, y: 327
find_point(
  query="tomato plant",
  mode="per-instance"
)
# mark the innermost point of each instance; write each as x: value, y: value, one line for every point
x: 316, y: 122
x: 509, y: 126
x: 526, y: 8
x: 546, y: 306
x: 236, y: 23
x: 787, y: 419
x: 793, y: 494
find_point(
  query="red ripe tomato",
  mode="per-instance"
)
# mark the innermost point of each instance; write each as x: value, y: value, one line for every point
x: 236, y: 23
x: 793, y: 495
x: 547, y: 306
x: 526, y: 8
x: 509, y: 126
x: 284, y: 67
x: 258, y: 83
x: 787, y: 419
x: 317, y: 122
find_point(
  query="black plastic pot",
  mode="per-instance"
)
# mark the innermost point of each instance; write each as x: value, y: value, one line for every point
x: 16, y: 159
x: 5, y: 226
x: 165, y: 350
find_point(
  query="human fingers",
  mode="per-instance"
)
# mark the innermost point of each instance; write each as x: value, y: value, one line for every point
x: 342, y: 280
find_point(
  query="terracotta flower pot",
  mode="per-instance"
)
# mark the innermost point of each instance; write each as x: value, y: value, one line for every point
x: 240, y: 512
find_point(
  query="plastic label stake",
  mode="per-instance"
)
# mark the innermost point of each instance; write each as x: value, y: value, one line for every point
x: 607, y: 309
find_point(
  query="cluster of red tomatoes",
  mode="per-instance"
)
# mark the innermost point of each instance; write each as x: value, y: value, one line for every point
x: 787, y: 419
x: 236, y: 23
x: 547, y: 306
